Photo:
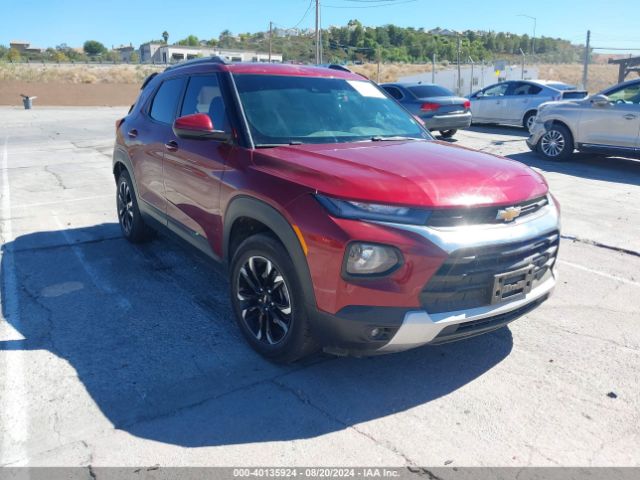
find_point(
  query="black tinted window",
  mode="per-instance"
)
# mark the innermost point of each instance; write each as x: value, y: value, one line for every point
x: 203, y: 95
x: 524, y: 89
x: 165, y: 103
x: 394, y: 92
x: 424, y: 91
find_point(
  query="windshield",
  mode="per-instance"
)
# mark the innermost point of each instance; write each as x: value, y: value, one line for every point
x: 284, y: 110
x: 424, y: 91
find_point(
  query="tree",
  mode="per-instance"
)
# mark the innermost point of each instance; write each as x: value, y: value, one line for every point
x: 93, y: 48
x: 59, y: 56
x: 134, y: 58
x: 13, y: 55
x: 165, y: 36
x: 191, y: 41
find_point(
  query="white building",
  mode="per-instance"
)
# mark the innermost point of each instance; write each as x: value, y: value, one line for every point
x: 161, y: 53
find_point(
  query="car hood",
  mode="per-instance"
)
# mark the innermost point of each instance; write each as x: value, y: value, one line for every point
x: 415, y: 173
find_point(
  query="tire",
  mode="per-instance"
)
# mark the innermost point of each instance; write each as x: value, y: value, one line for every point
x: 529, y: 118
x: 267, y: 300
x: 556, y: 144
x: 131, y: 223
x: 447, y: 133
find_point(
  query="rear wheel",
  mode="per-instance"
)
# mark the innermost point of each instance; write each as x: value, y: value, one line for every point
x: 267, y: 300
x: 447, y: 133
x: 131, y: 223
x: 529, y: 120
x: 556, y: 143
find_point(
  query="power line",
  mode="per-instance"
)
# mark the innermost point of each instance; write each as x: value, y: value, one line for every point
x: 377, y: 5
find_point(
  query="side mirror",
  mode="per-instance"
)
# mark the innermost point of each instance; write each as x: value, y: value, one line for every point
x: 198, y: 126
x: 600, y: 101
x: 478, y: 95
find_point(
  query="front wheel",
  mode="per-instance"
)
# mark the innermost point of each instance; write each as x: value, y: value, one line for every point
x: 447, y: 133
x: 267, y: 300
x: 556, y: 143
x: 131, y: 223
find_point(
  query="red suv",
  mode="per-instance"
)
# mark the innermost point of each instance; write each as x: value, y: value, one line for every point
x: 342, y: 223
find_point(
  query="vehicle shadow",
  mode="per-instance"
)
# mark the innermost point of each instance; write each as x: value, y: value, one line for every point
x: 595, y: 167
x: 149, y: 332
x: 499, y: 130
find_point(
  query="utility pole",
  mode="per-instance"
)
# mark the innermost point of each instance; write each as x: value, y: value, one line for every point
x: 433, y: 68
x: 317, y: 32
x: 379, y: 55
x: 471, y: 82
x: 459, y: 92
x: 270, y: 35
x: 533, y: 40
x: 585, y: 70
x: 523, y: 62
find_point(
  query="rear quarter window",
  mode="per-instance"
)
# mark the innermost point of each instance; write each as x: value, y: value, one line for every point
x: 165, y: 102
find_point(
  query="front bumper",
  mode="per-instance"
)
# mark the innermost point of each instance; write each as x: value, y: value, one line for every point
x: 535, y: 134
x: 419, y: 328
x: 448, y: 122
x: 351, y: 330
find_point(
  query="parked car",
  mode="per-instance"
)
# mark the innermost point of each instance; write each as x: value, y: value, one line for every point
x: 439, y: 108
x: 341, y: 223
x: 517, y: 102
x: 607, y: 123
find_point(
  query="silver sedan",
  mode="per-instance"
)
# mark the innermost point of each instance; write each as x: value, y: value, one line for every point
x: 517, y: 102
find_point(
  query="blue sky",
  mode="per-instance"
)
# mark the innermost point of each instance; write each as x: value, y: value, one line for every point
x: 45, y: 23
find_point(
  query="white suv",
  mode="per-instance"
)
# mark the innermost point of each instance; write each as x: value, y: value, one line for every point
x: 607, y: 123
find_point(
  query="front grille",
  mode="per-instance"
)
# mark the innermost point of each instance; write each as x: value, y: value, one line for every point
x: 466, y: 279
x: 455, y: 217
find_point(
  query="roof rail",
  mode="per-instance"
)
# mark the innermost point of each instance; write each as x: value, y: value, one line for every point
x: 335, y: 66
x: 197, y: 61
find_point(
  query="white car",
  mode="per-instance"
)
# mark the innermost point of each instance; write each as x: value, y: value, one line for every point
x: 516, y: 102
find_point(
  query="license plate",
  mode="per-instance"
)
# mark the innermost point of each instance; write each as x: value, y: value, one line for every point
x: 512, y: 285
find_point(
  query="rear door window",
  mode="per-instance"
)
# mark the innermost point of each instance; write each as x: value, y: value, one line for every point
x: 165, y: 103
x: 522, y: 88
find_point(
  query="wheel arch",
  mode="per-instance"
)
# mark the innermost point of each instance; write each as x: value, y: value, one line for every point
x: 245, y: 216
x: 122, y: 161
x: 531, y: 110
x: 564, y: 124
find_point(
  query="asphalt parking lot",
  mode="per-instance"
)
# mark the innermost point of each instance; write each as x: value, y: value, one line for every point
x: 113, y: 354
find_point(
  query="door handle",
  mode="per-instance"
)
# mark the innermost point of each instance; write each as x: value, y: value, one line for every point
x: 630, y: 116
x: 133, y: 133
x: 172, y: 146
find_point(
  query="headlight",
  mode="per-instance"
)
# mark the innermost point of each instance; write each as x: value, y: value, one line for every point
x: 374, y: 211
x: 370, y: 259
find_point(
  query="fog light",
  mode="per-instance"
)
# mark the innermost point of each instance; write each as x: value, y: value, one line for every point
x: 370, y: 259
x: 375, y: 332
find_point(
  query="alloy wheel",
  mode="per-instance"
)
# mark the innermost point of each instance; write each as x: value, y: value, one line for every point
x: 530, y: 121
x: 125, y: 207
x: 265, y: 303
x: 552, y: 143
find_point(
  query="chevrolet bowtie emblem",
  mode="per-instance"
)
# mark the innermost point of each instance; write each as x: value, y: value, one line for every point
x: 509, y: 214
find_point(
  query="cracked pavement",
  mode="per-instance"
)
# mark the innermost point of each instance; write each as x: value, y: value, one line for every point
x: 121, y: 355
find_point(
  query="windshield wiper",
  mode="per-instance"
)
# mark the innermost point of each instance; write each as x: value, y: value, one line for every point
x: 391, y: 139
x: 273, y: 145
